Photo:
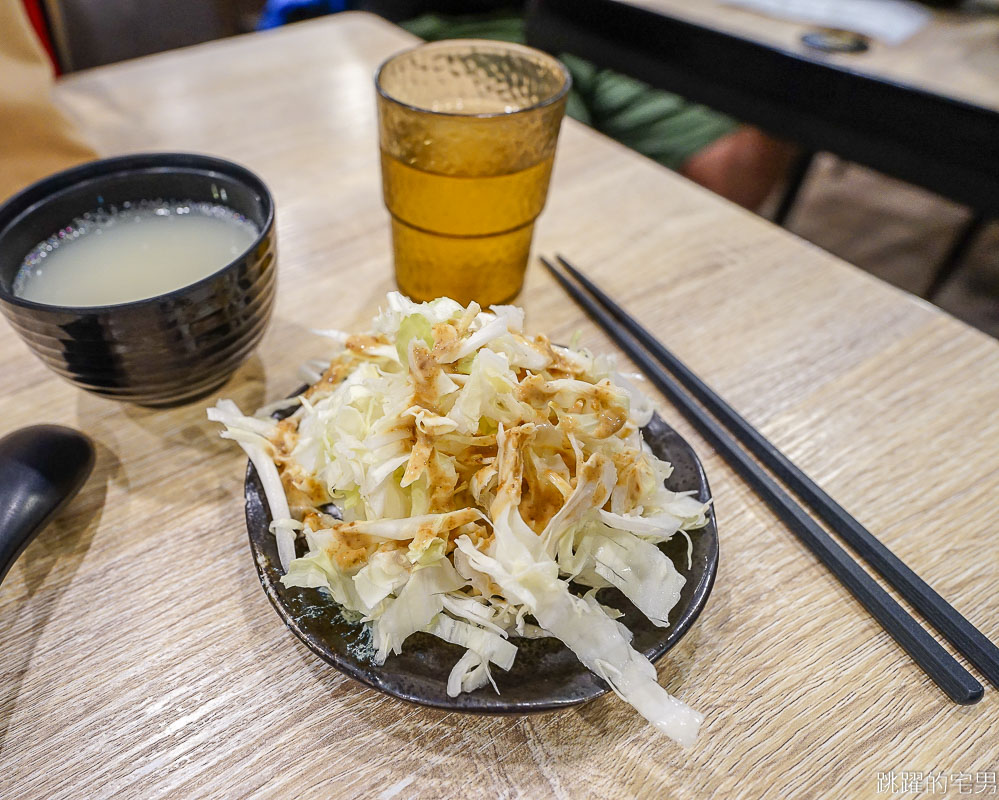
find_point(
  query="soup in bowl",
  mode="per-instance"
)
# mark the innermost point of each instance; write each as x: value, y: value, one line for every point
x: 146, y: 278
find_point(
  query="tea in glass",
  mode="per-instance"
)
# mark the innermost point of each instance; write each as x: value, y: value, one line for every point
x: 467, y: 133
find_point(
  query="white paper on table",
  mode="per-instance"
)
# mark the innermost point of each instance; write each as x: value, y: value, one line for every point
x: 891, y: 21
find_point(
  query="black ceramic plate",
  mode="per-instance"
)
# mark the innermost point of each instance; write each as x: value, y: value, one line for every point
x: 546, y: 675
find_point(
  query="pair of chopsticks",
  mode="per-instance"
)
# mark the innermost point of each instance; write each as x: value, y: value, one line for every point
x: 659, y: 364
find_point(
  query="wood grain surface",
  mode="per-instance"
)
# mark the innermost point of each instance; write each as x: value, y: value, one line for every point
x: 955, y: 55
x: 140, y: 658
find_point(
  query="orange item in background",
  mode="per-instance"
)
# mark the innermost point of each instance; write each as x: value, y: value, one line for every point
x: 36, y: 138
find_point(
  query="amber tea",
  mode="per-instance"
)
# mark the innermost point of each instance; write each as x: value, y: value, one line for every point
x: 468, y: 132
x: 467, y: 238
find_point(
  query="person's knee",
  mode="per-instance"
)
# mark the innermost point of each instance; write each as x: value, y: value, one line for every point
x: 743, y: 166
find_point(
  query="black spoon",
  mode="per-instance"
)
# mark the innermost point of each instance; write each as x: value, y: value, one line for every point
x: 41, y: 469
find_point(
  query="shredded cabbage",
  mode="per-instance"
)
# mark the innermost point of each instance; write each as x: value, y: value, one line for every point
x: 476, y: 472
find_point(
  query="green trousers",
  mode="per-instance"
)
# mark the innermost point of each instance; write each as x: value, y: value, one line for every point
x: 662, y: 126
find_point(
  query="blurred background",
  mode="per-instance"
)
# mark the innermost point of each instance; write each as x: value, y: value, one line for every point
x: 916, y: 239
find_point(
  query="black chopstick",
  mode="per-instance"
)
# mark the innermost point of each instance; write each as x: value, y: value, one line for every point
x: 934, y: 660
x: 954, y: 627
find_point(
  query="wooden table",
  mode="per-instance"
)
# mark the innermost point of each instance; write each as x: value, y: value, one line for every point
x: 142, y: 660
x: 925, y: 111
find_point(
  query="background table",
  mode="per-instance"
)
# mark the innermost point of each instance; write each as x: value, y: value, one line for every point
x: 955, y: 55
x: 925, y: 111
x: 140, y: 658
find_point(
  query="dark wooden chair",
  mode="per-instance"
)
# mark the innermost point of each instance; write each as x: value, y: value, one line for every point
x: 89, y: 33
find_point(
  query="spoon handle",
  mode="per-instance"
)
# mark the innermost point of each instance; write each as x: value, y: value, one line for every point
x: 41, y: 468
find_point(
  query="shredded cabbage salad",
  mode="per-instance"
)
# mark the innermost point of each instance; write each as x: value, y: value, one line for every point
x: 451, y: 475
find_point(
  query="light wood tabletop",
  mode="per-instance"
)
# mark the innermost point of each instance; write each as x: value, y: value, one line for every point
x: 142, y: 660
x: 956, y: 54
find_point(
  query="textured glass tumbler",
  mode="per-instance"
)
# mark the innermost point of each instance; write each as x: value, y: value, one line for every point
x: 467, y: 133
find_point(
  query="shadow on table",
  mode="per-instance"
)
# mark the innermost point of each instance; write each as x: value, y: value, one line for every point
x: 433, y: 738
x: 562, y: 737
x: 188, y: 425
x: 177, y: 437
x: 46, y: 566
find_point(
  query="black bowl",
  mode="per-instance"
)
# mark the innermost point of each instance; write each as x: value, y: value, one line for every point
x: 546, y: 675
x: 167, y: 349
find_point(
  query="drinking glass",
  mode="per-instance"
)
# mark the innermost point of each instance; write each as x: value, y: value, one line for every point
x: 467, y: 133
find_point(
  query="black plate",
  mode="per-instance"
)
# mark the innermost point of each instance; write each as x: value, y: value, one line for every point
x: 546, y: 675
